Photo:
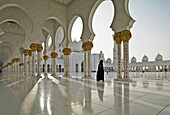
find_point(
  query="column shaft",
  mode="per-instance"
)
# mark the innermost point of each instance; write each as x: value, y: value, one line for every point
x: 30, y: 65
x: 119, y: 62
x: 39, y: 64
x: 66, y: 65
x: 33, y: 63
x: 126, y: 60
x: 54, y: 66
x: 87, y: 63
x: 67, y: 52
x: 26, y: 65
x: 45, y: 66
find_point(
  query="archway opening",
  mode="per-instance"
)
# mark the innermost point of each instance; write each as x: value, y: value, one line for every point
x: 102, y: 19
x: 77, y: 29
x: 58, y: 41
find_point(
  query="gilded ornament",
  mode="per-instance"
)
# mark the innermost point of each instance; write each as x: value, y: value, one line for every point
x: 87, y: 46
x: 17, y: 59
x: 67, y: 51
x: 122, y: 36
x: 45, y: 57
x: 39, y: 48
x: 33, y: 47
x: 13, y: 60
x: 54, y: 55
x: 30, y: 53
x: 26, y: 52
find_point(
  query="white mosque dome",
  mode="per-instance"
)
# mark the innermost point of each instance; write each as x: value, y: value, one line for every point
x: 159, y: 58
x: 76, y: 46
x: 133, y: 60
x: 145, y: 58
x: 108, y: 60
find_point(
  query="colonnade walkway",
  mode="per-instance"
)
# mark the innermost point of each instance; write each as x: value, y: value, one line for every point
x: 76, y: 96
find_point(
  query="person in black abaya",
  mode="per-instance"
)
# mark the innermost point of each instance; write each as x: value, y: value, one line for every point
x: 100, y: 71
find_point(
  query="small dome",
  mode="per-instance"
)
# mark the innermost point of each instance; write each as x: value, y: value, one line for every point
x: 108, y: 60
x: 133, y: 60
x: 76, y: 46
x: 159, y: 58
x: 145, y: 58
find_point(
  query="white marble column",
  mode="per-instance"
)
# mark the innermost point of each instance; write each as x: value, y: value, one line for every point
x: 119, y: 62
x: 13, y: 66
x: 26, y: 52
x: 118, y: 39
x: 39, y: 58
x: 67, y: 52
x: 33, y: 47
x: 126, y: 60
x: 30, y: 62
x: 124, y: 36
x: 54, y: 56
x: 33, y: 63
x: 87, y: 46
x: 45, y: 64
x: 17, y: 66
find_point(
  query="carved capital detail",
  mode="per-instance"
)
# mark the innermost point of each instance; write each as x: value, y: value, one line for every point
x: 54, y: 54
x: 30, y: 53
x: 33, y: 47
x: 124, y: 36
x: 26, y: 52
x: 45, y: 57
x: 87, y: 46
x: 67, y: 51
x: 15, y: 60
x: 39, y: 48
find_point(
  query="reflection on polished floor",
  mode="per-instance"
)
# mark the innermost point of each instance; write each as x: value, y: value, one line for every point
x: 147, y: 95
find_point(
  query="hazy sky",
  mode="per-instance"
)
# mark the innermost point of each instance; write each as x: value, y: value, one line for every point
x: 150, y: 32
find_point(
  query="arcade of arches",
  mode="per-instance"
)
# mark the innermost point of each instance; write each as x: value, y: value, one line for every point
x: 23, y: 32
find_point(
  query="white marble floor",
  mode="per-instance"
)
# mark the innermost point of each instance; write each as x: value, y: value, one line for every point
x: 75, y: 96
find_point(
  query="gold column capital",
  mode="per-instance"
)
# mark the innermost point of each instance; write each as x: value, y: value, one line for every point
x: 26, y: 52
x: 9, y: 64
x: 15, y: 60
x: 45, y: 57
x: 39, y: 48
x: 54, y: 54
x: 87, y: 46
x: 33, y: 47
x: 67, y: 51
x: 30, y: 53
x: 124, y: 36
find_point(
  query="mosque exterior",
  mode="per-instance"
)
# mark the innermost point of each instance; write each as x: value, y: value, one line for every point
x: 76, y: 60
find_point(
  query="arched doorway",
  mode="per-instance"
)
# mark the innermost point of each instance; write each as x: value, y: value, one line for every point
x: 77, y: 68
x: 82, y: 66
x: 60, y: 70
x: 106, y: 8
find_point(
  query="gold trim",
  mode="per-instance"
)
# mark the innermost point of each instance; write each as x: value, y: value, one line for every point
x: 33, y: 47
x: 45, y: 57
x: 26, y: 52
x: 54, y: 54
x: 67, y: 51
x: 39, y: 48
x: 124, y: 36
x: 87, y: 46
